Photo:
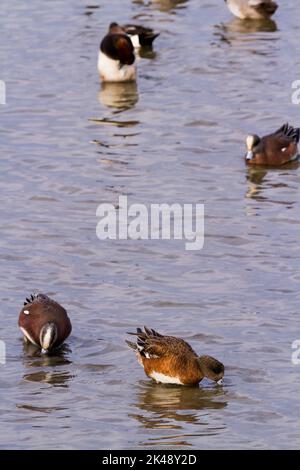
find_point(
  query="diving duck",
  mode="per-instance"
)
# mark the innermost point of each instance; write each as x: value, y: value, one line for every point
x: 116, y: 58
x: 44, y: 322
x: 171, y: 360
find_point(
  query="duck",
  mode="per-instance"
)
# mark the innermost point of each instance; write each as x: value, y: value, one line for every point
x: 275, y: 149
x: 171, y: 360
x: 44, y: 322
x: 140, y: 35
x: 116, y: 58
x: 252, y: 9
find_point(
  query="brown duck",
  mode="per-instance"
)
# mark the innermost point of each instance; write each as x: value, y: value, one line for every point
x: 252, y: 9
x: 167, y: 359
x: 44, y: 322
x: 274, y: 149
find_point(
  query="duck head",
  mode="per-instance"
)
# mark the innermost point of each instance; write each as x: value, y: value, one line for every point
x: 212, y: 368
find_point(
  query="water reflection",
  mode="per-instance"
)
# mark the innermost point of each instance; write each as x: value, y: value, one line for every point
x: 257, y: 181
x: 55, y: 357
x: 89, y: 9
x: 255, y: 177
x: 121, y: 96
x: 146, y: 52
x: 163, y: 5
x: 40, y: 409
x: 34, y: 359
x: 230, y: 31
x: 166, y: 403
x: 57, y: 379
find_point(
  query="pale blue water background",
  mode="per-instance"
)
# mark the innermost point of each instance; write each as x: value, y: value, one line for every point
x: 211, y: 81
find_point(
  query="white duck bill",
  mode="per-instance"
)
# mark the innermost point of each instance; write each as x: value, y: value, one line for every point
x: 249, y: 155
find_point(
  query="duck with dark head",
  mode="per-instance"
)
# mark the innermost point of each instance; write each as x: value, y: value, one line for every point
x: 116, y: 59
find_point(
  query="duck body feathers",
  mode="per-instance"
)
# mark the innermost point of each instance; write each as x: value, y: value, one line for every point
x: 116, y: 56
x: 40, y: 315
x: 275, y: 149
x: 168, y: 359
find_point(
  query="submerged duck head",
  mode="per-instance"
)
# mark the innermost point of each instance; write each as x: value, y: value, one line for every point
x: 44, y: 322
x: 212, y: 368
x: 167, y: 359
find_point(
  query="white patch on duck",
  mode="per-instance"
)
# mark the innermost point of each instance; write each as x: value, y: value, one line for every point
x: 235, y: 9
x: 27, y: 335
x: 112, y: 71
x: 150, y: 356
x: 165, y: 379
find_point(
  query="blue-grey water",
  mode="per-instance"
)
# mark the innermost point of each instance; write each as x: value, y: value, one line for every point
x: 210, y: 81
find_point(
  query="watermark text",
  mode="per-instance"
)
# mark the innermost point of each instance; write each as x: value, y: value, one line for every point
x: 296, y: 353
x: 296, y: 93
x: 2, y: 92
x: 2, y: 352
x: 154, y: 222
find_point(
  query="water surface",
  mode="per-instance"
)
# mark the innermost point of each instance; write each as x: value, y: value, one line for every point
x: 68, y: 144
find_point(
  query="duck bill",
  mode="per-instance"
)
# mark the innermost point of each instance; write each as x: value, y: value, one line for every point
x: 249, y: 155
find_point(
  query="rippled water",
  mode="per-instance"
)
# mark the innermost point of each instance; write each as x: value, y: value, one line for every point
x: 68, y: 144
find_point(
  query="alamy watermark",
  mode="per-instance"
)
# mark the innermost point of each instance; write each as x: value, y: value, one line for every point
x: 296, y: 353
x: 153, y: 222
x: 2, y: 352
x: 2, y: 92
x: 296, y: 93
